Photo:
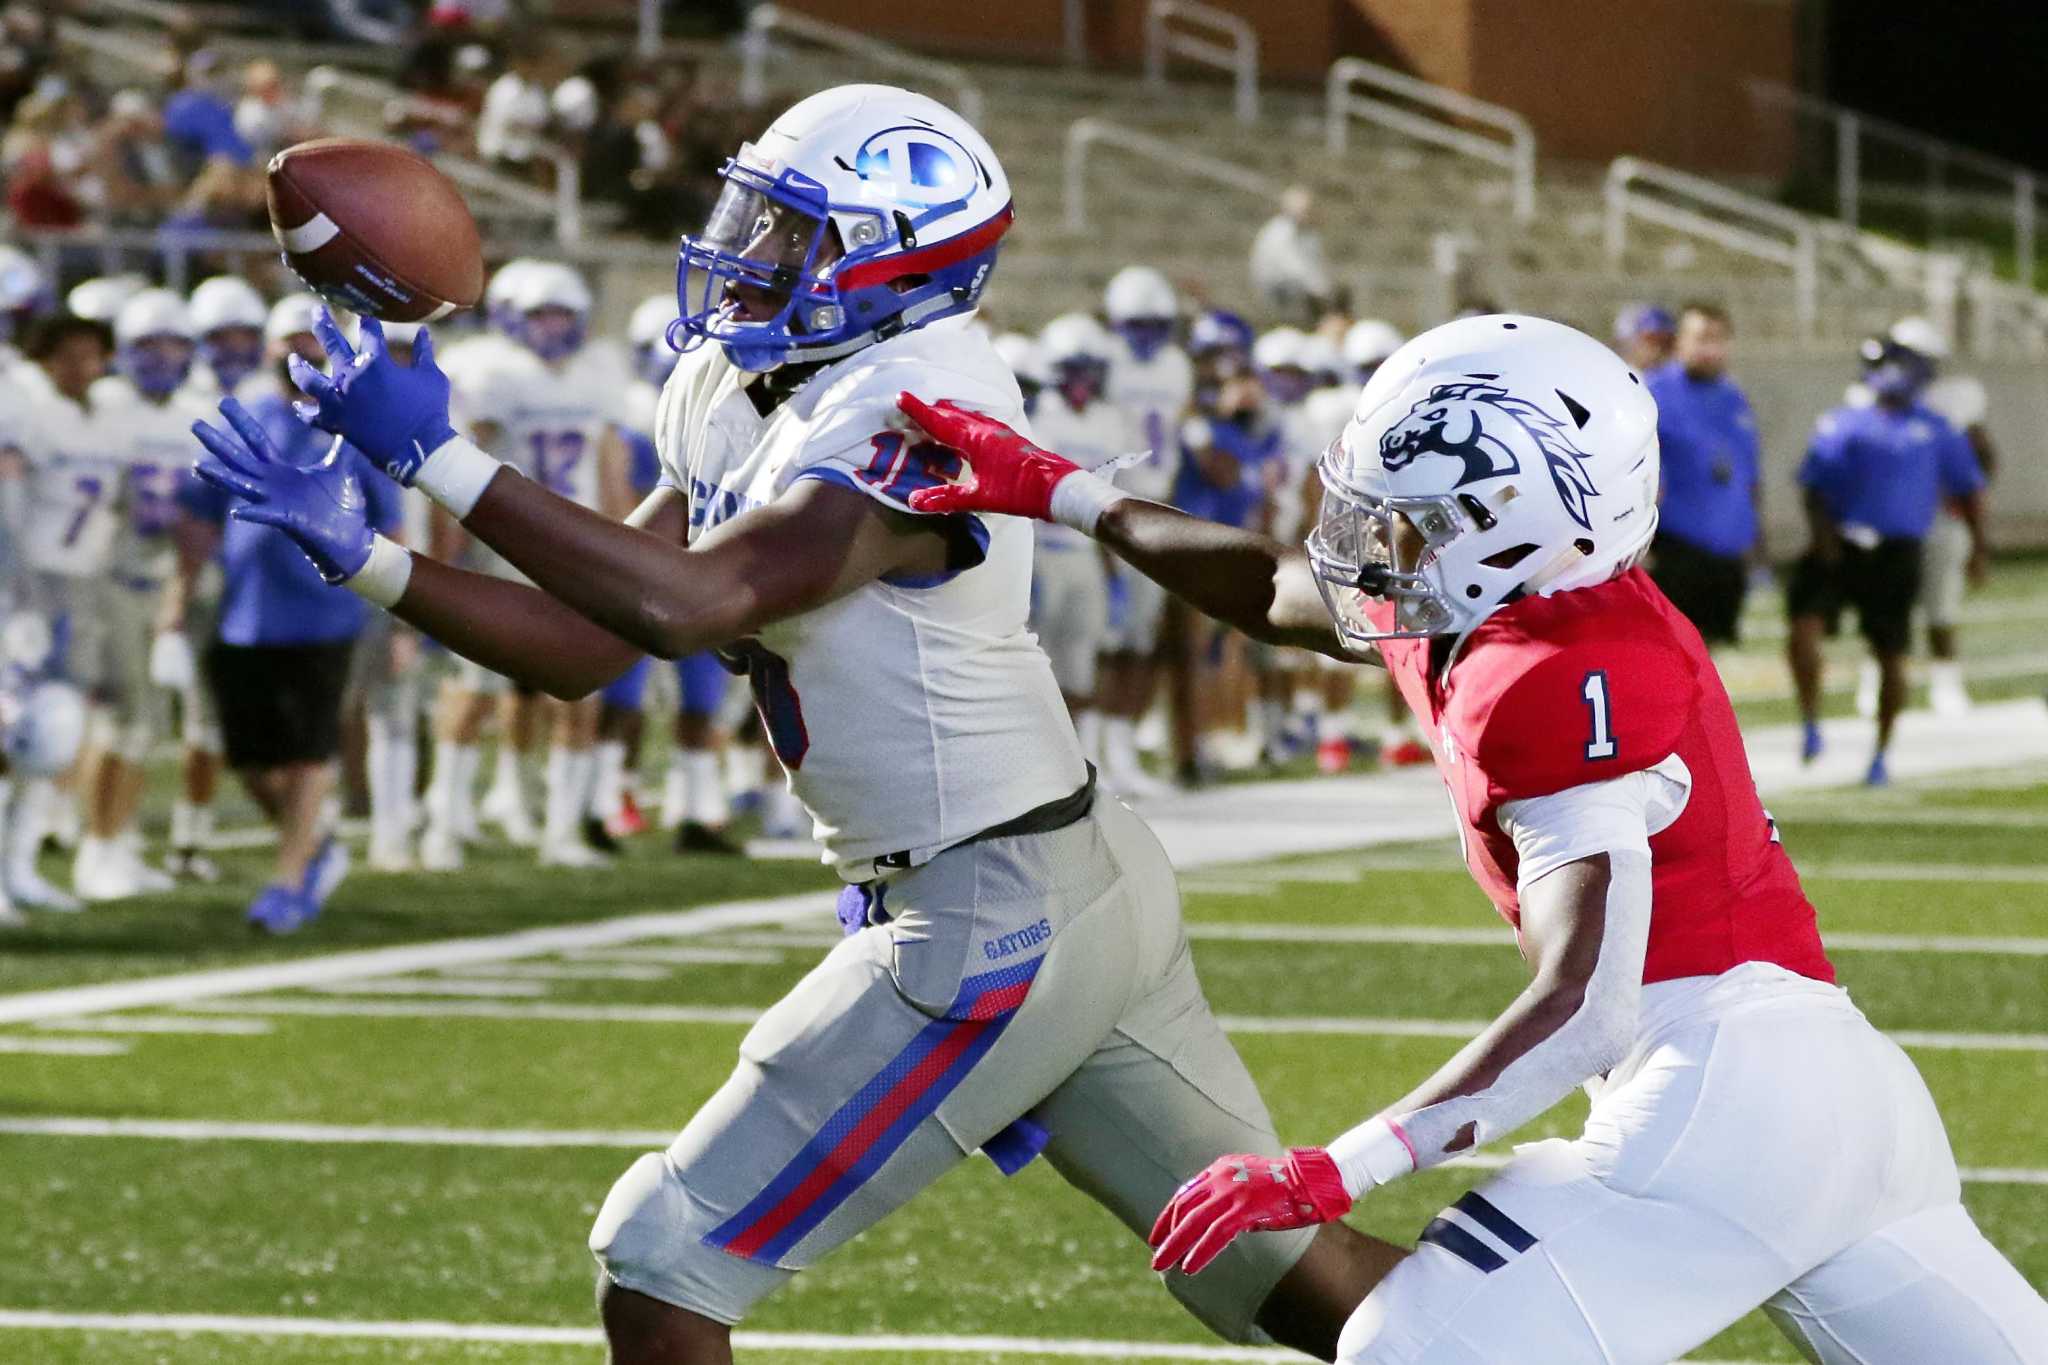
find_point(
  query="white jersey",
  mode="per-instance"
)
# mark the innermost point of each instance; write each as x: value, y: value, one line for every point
x: 1153, y: 395
x: 909, y: 715
x: 1090, y: 438
x: 154, y: 441
x: 551, y: 421
x: 75, y: 480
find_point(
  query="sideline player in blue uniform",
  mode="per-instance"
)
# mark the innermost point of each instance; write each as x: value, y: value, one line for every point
x: 279, y: 660
x: 1708, y: 525
x: 1874, y: 477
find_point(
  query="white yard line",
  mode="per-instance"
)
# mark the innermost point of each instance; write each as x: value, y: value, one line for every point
x: 583, y: 969
x: 1342, y: 1025
x: 186, y: 987
x: 543, y: 1139
x: 158, y: 1023
x: 698, y: 957
x: 431, y: 985
x: 64, y: 1047
x: 1502, y: 936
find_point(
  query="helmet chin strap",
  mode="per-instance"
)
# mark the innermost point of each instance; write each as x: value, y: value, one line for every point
x: 904, y: 321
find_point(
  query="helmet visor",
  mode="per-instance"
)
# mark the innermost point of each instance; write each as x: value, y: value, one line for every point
x: 1372, y: 552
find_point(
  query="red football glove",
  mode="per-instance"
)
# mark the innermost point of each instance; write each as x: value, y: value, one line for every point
x: 1007, y: 474
x: 1246, y: 1194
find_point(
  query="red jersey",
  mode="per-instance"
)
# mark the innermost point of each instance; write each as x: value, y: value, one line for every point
x: 1594, y: 683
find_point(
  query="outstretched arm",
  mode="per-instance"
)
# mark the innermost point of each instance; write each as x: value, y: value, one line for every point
x: 1253, y: 582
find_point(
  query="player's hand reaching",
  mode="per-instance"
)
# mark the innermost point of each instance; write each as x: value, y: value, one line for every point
x: 396, y: 414
x: 1007, y: 473
x: 1246, y: 1194
x: 320, y: 506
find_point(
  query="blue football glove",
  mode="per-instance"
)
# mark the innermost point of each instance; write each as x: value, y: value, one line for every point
x: 395, y: 414
x: 320, y: 506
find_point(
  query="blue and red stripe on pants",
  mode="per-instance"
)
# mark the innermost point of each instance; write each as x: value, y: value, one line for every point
x: 869, y: 1128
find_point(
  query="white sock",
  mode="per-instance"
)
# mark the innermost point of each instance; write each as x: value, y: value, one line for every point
x: 443, y: 787
x: 1119, y: 743
x: 703, y: 787
x: 6, y: 809
x: 1945, y: 673
x: 563, y: 807
x: 393, y: 759
x: 181, y: 824
x: 25, y: 832
x: 608, y: 784
x: 746, y: 768
x: 1088, y: 726
x: 462, y: 796
x: 505, y: 784
x: 675, y: 793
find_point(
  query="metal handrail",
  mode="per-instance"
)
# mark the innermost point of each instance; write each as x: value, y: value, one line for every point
x: 1852, y: 127
x: 1797, y: 249
x: 1237, y: 53
x: 764, y: 19
x: 1084, y: 133
x: 1516, y: 154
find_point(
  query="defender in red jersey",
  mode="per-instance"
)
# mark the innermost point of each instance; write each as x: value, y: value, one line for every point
x: 1753, y: 1140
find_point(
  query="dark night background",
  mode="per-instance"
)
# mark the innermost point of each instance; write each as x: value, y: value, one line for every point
x: 1972, y: 71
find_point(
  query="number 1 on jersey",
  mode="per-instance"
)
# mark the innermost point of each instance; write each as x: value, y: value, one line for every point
x: 1601, y: 745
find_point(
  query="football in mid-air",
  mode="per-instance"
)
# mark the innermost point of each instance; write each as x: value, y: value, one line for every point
x: 375, y: 228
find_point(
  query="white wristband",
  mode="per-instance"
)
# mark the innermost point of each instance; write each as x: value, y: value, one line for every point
x: 1371, y: 1154
x: 384, y: 574
x: 1080, y: 499
x: 456, y: 474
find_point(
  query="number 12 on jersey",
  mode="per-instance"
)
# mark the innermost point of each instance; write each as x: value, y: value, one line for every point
x: 1601, y: 744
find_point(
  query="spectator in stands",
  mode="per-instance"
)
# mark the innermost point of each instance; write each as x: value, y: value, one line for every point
x: 1708, y: 529
x: 514, y: 121
x: 266, y: 118
x: 1287, y: 268
x: 137, y: 169
x: 43, y: 156
x: 199, y: 121
x: 280, y: 658
x: 1644, y: 335
x: 1874, y: 479
x: 26, y: 52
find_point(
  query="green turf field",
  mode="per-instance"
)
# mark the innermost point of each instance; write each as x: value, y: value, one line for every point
x: 424, y: 1153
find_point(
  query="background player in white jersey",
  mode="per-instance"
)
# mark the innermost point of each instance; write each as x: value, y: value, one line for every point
x: 228, y: 316
x: 149, y: 411
x: 552, y: 418
x: 1016, y: 975
x: 1069, y: 580
x: 1151, y: 381
x: 42, y: 724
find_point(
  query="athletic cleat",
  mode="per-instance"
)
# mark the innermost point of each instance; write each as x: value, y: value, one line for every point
x: 393, y: 855
x: 190, y: 865
x: 1811, y: 745
x: 1409, y: 753
x: 28, y: 890
x: 1333, y: 755
x: 572, y: 852
x: 1879, y: 775
x: 506, y: 808
x: 440, y: 852
x: 598, y: 835
x: 281, y: 910
x: 628, y: 820
x: 694, y: 837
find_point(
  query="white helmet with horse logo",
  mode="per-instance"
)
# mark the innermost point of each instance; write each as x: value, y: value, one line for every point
x: 1489, y: 458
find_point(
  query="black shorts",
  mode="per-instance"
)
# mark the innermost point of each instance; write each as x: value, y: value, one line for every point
x: 279, y: 704
x: 1881, y: 583
x: 1706, y: 588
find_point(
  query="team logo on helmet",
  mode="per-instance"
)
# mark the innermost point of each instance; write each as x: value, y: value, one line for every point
x: 917, y: 165
x: 1461, y: 420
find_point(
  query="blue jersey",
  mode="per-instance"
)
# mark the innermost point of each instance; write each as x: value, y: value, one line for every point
x: 1707, y: 436
x: 1888, y: 469
x: 270, y: 592
x: 1253, y: 444
x: 645, y: 467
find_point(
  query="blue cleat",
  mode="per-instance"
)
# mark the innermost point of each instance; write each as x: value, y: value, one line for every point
x: 281, y: 910
x: 1878, y: 776
x: 1810, y: 747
